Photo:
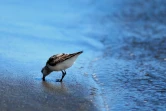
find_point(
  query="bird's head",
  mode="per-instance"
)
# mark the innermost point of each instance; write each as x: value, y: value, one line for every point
x: 45, y: 71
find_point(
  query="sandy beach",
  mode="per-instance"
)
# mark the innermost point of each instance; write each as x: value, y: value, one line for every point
x: 23, y: 89
x: 122, y: 67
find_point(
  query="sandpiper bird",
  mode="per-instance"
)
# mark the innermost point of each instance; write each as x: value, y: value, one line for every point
x: 59, y: 62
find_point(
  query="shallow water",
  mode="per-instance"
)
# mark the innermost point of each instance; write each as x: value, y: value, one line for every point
x: 122, y: 67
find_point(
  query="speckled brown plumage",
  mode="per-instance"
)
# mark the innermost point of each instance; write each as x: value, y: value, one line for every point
x: 55, y: 59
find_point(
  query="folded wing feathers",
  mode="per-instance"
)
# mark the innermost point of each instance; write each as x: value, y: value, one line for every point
x: 55, y: 59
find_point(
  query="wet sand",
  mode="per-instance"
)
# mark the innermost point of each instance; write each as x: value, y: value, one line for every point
x: 23, y: 89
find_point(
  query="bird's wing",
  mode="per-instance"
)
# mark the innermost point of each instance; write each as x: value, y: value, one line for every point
x: 55, y: 59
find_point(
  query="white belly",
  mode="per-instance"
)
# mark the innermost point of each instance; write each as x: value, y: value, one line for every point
x: 63, y: 65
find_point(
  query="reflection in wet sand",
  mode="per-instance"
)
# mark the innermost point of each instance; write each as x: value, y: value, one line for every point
x: 48, y: 86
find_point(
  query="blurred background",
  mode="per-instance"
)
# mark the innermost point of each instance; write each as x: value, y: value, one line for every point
x: 124, y: 59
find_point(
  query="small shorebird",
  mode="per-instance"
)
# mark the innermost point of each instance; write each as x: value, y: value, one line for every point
x: 59, y: 62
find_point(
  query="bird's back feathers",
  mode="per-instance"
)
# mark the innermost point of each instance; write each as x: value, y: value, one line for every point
x: 58, y: 58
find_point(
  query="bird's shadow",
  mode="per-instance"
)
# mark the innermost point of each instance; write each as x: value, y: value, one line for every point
x: 57, y: 92
x: 54, y: 86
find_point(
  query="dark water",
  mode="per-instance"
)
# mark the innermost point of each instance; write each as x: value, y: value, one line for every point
x: 124, y: 43
x: 131, y: 70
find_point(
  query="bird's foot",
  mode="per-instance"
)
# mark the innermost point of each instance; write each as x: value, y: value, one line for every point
x: 58, y: 80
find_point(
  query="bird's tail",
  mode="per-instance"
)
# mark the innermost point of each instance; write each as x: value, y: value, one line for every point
x: 80, y: 52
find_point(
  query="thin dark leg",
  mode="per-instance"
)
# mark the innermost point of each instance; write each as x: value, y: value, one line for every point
x: 43, y: 78
x: 63, y: 75
x: 64, y: 71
